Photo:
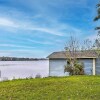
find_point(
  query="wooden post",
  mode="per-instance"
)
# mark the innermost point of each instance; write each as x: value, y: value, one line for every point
x: 49, y: 66
x: 0, y: 73
x: 94, y: 66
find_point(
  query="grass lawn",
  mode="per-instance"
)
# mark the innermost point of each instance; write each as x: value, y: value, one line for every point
x: 65, y: 88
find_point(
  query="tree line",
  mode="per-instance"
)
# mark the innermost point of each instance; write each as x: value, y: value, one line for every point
x: 19, y: 59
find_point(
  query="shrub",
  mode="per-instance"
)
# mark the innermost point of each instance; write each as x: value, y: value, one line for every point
x: 38, y: 76
x: 75, y: 68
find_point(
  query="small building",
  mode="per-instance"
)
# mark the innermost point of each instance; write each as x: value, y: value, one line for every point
x: 57, y: 61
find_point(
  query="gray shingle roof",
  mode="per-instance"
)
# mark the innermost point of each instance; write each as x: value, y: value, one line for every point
x: 77, y: 54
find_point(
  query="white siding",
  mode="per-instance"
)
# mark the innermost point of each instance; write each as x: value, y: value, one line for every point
x: 98, y: 66
x: 56, y: 67
x: 88, y: 66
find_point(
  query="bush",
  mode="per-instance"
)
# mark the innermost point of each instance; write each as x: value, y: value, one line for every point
x: 75, y: 68
x: 38, y: 76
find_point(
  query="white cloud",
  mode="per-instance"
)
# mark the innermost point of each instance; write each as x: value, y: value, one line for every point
x: 40, y: 42
x: 16, y: 46
x: 7, y: 22
x: 47, y: 30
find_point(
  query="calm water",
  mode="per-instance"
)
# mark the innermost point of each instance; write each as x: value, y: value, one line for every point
x: 23, y: 69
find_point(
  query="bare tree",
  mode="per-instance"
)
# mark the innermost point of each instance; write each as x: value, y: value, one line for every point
x: 87, y: 45
x: 97, y: 46
x: 73, y: 66
x: 71, y: 47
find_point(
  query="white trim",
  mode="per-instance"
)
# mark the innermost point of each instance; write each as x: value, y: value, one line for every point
x: 94, y: 66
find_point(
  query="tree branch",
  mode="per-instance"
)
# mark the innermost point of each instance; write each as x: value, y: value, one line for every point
x: 97, y: 28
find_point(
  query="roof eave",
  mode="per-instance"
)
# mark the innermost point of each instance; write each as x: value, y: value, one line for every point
x: 77, y: 58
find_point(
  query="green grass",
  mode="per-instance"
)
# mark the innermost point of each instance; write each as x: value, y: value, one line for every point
x: 66, y: 88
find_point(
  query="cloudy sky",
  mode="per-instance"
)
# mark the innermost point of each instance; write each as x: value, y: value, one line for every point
x: 36, y: 28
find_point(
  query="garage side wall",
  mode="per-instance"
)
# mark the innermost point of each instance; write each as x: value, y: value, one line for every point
x: 56, y: 67
x: 98, y: 66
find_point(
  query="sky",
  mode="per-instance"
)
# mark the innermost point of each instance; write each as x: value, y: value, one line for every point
x: 36, y: 28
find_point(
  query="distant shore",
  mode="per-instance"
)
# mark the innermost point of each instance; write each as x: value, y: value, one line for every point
x: 20, y: 59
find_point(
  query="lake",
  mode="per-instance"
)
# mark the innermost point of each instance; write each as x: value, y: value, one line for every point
x: 23, y: 69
